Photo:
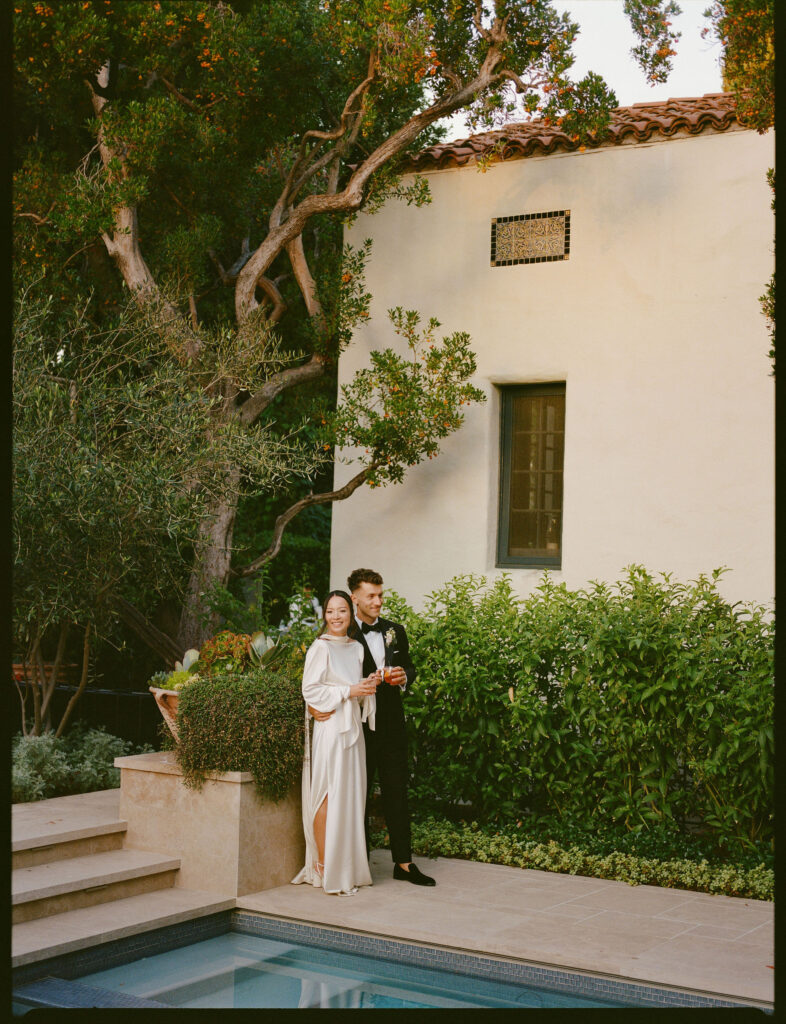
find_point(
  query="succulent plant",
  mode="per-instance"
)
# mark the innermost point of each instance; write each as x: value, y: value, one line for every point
x: 226, y: 650
x: 182, y: 678
x: 184, y: 670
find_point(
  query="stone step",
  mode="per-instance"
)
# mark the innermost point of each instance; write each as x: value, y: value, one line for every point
x: 65, y: 827
x: 62, y: 885
x: 64, y: 848
x: 42, y: 939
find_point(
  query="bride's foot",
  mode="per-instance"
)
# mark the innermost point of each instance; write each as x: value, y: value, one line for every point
x: 319, y: 869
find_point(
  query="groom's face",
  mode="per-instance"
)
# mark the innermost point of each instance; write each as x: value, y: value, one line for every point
x: 368, y: 600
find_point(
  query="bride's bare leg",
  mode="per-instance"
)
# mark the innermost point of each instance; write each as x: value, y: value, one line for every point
x: 320, y: 821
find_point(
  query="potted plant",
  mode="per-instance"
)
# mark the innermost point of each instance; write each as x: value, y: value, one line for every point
x: 235, y: 710
x: 226, y: 651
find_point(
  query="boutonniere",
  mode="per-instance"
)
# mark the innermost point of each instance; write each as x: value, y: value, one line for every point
x: 390, y: 637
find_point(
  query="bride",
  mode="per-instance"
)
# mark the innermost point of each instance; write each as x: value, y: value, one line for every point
x: 334, y: 767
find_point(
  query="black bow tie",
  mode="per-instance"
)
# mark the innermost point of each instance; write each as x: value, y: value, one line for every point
x: 374, y: 627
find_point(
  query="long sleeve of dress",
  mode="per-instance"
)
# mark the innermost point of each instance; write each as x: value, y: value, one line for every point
x: 321, y: 689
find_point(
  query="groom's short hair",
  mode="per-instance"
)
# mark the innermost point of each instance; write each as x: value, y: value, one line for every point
x: 359, y: 576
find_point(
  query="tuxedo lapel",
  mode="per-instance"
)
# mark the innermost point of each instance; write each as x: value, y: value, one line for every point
x: 369, y: 665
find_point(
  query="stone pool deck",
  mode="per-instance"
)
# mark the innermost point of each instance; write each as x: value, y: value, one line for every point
x: 710, y: 945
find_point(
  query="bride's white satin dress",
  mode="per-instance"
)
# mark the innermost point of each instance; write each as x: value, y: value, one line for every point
x: 334, y: 765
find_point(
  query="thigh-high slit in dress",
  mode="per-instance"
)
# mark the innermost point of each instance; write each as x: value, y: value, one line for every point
x: 335, y: 765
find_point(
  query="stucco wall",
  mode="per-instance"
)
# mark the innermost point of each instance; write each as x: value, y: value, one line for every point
x: 654, y: 324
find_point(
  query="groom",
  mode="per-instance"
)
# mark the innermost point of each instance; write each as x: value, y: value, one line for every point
x: 385, y: 643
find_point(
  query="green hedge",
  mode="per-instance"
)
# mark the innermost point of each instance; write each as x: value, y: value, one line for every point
x: 251, y: 722
x: 469, y: 841
x: 81, y: 761
x: 639, y: 703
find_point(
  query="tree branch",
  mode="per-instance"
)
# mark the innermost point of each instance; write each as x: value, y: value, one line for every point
x: 50, y: 689
x: 521, y: 86
x: 123, y: 245
x: 23, y: 701
x: 292, y: 185
x: 279, y: 306
x: 252, y: 408
x: 477, y: 21
x: 305, y: 282
x: 35, y: 217
x: 40, y: 689
x: 228, y: 276
x: 80, y: 688
x: 157, y: 641
x: 172, y: 88
x: 351, y: 197
x: 286, y: 517
x: 75, y: 254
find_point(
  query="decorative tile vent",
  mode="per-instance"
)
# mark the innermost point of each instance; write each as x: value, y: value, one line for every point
x: 530, y: 238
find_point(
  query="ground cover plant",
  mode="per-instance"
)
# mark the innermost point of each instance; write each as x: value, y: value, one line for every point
x: 433, y: 837
x: 81, y: 761
x: 646, y: 705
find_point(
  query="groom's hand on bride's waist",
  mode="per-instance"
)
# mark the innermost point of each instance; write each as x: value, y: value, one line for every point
x: 320, y: 716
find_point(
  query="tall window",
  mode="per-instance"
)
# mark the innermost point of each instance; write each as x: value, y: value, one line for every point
x: 532, y: 449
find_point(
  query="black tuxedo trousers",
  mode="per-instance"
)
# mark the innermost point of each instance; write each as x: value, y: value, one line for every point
x: 386, y: 745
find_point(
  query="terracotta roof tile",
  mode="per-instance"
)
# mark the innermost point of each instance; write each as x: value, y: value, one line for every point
x: 637, y: 123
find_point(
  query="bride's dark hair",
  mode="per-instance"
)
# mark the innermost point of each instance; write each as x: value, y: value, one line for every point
x: 352, y: 627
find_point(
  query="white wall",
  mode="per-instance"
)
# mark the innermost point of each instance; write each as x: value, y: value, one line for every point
x: 654, y: 324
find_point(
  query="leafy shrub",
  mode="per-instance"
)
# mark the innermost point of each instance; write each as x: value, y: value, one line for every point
x: 643, y: 703
x: 82, y: 761
x: 39, y: 768
x: 243, y: 722
x: 469, y: 841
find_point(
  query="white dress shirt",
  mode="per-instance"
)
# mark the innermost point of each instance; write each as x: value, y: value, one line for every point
x: 376, y: 644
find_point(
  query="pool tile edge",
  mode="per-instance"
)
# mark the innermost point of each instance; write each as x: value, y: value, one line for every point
x: 561, y: 977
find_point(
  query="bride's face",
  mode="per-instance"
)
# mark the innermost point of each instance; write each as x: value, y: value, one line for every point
x: 337, y: 616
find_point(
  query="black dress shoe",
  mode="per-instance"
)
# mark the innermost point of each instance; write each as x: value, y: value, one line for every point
x: 414, y: 875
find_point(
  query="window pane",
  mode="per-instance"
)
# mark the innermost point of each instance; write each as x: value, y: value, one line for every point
x: 523, y: 490
x: 523, y: 533
x: 535, y: 451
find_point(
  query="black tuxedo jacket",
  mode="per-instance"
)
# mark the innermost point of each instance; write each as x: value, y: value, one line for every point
x: 389, y: 724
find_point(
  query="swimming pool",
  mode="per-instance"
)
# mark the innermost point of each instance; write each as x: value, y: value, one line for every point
x: 243, y: 959
x: 244, y: 971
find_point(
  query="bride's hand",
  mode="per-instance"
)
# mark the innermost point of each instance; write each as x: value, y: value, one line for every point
x: 364, y: 687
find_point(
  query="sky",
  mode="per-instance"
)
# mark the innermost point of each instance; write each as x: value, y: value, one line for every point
x: 604, y: 44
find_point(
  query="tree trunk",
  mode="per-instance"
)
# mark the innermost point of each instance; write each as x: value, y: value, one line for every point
x: 82, y: 684
x: 211, y: 565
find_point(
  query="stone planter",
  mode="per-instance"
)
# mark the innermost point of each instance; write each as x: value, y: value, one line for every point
x: 228, y: 840
x: 167, y: 705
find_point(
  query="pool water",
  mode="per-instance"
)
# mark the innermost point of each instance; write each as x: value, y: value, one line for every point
x: 236, y: 970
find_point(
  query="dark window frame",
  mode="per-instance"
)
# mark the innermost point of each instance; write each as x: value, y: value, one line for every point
x: 507, y: 393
